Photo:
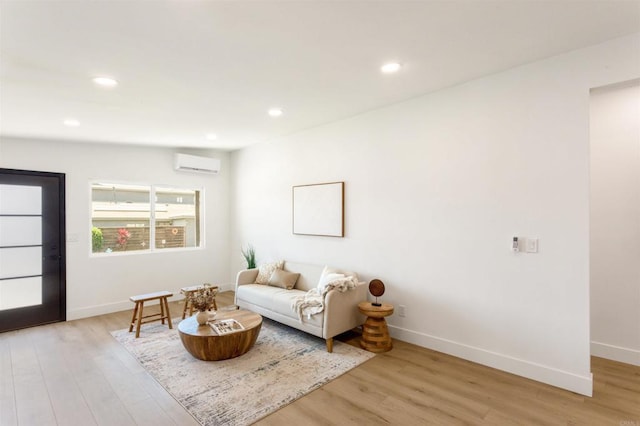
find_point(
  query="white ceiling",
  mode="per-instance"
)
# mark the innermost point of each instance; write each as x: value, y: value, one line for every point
x: 188, y: 68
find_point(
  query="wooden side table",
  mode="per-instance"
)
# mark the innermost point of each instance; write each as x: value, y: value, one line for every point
x: 187, y: 291
x: 137, y: 318
x: 375, y: 334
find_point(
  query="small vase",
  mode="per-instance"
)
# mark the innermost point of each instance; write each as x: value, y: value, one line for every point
x: 202, y: 317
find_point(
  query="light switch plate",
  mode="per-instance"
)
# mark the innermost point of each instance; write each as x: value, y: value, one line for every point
x: 532, y: 245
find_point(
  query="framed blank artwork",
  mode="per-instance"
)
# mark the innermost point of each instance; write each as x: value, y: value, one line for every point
x: 318, y: 209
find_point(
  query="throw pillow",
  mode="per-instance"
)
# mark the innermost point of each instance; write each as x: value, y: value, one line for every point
x: 265, y: 271
x: 329, y: 270
x: 328, y: 278
x: 283, y: 279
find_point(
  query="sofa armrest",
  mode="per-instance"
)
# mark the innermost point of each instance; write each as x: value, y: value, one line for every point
x: 246, y: 276
x: 341, y: 310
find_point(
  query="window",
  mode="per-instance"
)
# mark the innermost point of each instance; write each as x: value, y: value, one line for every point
x: 127, y: 218
x: 177, y: 218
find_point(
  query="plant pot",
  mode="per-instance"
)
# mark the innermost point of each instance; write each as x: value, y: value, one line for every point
x: 202, y: 317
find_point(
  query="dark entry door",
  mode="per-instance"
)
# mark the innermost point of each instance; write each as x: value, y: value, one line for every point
x: 32, y: 249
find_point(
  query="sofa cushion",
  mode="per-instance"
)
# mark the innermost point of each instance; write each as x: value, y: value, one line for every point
x: 265, y: 271
x: 283, y: 279
x: 275, y: 299
x: 257, y: 294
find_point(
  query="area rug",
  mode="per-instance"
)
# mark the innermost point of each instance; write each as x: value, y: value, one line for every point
x: 284, y: 365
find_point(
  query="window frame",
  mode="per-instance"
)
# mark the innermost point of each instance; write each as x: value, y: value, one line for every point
x: 152, y: 218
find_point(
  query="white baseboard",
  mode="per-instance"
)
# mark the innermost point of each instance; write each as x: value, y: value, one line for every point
x: 615, y: 353
x: 108, y: 308
x: 552, y: 376
x: 226, y: 287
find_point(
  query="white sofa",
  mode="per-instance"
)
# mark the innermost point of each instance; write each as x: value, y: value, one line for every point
x: 340, y: 311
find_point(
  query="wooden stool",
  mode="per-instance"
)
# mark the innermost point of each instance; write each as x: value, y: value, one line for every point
x: 137, y: 310
x: 187, y: 292
x: 375, y: 334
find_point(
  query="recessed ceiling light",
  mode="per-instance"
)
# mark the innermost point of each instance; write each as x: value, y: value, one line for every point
x: 71, y: 122
x: 105, y: 81
x: 212, y: 136
x: 390, y: 68
x: 275, y: 112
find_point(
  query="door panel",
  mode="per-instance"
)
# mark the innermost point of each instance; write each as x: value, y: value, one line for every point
x: 20, y: 292
x: 20, y: 199
x: 21, y: 231
x: 32, y: 252
x: 20, y: 262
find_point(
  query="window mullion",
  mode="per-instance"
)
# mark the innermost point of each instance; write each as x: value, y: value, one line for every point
x: 152, y: 218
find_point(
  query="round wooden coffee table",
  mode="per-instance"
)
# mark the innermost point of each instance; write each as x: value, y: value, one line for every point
x: 204, y: 343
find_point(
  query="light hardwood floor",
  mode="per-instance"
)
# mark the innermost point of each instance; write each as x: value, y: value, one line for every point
x: 75, y: 373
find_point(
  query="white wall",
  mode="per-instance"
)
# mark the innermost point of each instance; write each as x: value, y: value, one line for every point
x: 97, y: 285
x: 435, y: 189
x: 615, y: 222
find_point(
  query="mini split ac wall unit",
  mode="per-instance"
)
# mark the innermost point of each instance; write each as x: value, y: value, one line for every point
x: 196, y: 164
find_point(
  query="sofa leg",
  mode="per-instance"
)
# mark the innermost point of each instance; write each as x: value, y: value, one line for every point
x: 330, y: 345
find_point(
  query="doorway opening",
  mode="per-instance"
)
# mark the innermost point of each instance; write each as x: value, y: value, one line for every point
x: 615, y: 222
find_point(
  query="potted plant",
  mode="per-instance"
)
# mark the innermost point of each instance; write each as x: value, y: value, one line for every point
x: 249, y: 255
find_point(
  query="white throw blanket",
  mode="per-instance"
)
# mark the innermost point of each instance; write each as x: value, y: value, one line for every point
x: 313, y: 301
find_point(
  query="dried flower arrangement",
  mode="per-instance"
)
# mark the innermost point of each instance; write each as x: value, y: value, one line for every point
x: 202, y: 299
